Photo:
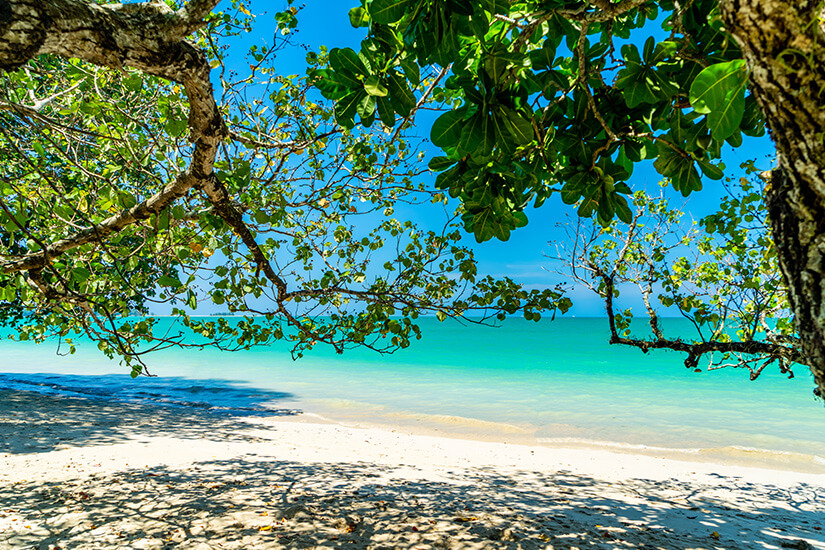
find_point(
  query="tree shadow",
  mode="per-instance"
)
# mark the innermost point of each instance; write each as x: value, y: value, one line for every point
x: 97, y: 410
x: 257, y: 502
x: 263, y: 501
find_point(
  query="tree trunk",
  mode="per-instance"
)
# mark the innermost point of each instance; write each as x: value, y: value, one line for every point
x: 784, y: 47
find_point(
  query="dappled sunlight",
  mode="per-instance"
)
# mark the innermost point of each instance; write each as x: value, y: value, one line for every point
x: 240, y: 489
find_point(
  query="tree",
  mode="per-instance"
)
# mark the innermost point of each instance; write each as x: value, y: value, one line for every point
x: 127, y: 183
x: 720, y: 274
x: 556, y: 96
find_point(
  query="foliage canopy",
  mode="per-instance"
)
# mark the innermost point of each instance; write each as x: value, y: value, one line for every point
x: 128, y: 190
x: 548, y: 97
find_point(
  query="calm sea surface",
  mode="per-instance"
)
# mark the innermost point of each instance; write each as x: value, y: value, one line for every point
x: 549, y: 383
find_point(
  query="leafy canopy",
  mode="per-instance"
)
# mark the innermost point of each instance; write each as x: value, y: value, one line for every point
x: 301, y: 244
x: 720, y: 273
x: 551, y: 96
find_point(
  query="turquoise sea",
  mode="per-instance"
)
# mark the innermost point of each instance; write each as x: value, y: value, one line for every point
x: 549, y: 383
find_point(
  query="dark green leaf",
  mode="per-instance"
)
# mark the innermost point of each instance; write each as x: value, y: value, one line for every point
x: 520, y: 127
x: 439, y: 164
x: 446, y: 130
x: 346, y: 108
x: 389, y: 11
x: 346, y: 61
x: 401, y: 98
x: 385, y: 111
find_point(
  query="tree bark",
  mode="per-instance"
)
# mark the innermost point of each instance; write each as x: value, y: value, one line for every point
x: 784, y: 48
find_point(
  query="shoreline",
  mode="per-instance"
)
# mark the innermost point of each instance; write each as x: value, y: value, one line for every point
x: 378, y: 417
x: 472, y: 429
x: 83, y: 473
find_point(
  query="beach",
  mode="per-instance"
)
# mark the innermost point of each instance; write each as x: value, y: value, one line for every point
x: 96, y: 473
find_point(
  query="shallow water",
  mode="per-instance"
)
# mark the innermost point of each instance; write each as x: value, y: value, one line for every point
x: 548, y: 382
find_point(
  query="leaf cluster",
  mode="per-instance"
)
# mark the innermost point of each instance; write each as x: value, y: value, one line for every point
x: 558, y: 96
x: 297, y: 240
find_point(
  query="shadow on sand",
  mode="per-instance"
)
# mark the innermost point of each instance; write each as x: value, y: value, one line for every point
x: 257, y: 501
x: 100, y: 410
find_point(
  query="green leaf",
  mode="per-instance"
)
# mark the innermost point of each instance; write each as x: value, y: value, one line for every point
x: 753, y: 121
x: 411, y: 70
x: 447, y: 128
x: 134, y: 82
x: 472, y: 133
x: 680, y: 169
x: 167, y: 280
x: 346, y: 61
x: 401, y: 98
x: 374, y: 87
x: 386, y: 112
x: 366, y: 107
x: 439, y: 164
x: 719, y: 92
x: 713, y: 171
x: 543, y: 57
x: 347, y: 107
x: 81, y: 274
x: 623, y: 211
x: 389, y: 11
x: 358, y: 17
x: 520, y: 127
x: 496, y: 6
x: 479, y: 24
x: 638, y: 86
x: 335, y: 85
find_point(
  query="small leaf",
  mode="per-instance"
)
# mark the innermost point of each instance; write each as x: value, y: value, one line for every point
x: 358, y: 17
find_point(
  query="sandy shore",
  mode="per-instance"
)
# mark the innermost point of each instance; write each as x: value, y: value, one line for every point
x: 90, y: 474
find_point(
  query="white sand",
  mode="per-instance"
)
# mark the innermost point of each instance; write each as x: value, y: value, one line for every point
x: 97, y: 475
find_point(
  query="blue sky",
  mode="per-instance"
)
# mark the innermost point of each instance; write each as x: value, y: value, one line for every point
x: 523, y: 257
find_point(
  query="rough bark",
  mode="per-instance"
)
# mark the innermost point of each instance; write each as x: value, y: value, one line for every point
x: 784, y: 47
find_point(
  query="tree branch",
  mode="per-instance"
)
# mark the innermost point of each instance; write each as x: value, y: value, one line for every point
x: 115, y: 36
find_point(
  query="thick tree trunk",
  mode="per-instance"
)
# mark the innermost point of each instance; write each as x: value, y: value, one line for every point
x: 784, y: 47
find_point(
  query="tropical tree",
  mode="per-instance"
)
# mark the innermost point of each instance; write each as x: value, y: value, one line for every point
x: 719, y: 273
x: 567, y: 96
x: 129, y: 184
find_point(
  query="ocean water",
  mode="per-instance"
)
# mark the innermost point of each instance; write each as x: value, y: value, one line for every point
x: 550, y: 383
